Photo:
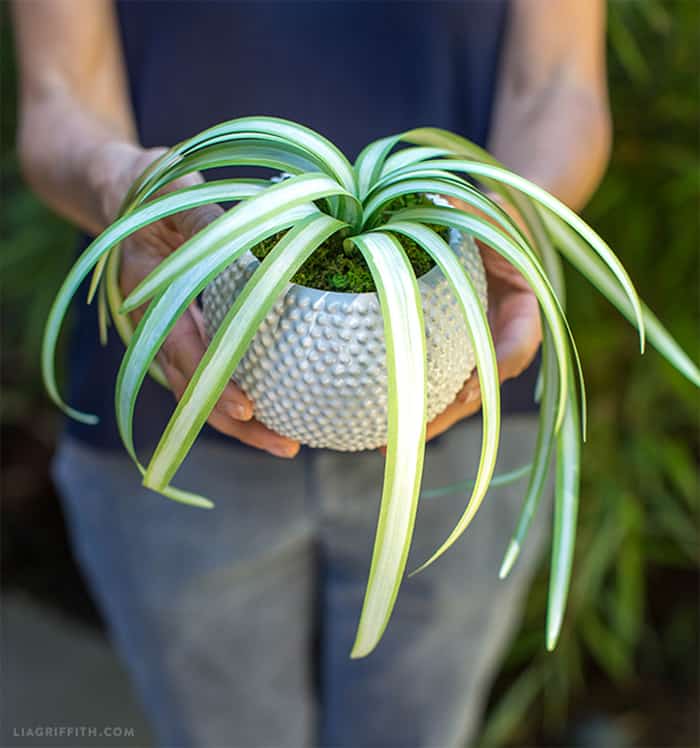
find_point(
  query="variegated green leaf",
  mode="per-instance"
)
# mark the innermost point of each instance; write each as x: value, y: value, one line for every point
x: 230, y: 343
x: 117, y: 232
x: 321, y: 150
x: 239, y: 221
x: 526, y: 264
x: 369, y: 163
x: 594, y: 242
x: 484, y: 355
x: 566, y: 497
x: 542, y: 459
x: 574, y: 249
x: 410, y: 156
x: 421, y: 182
x: 547, y: 384
x: 164, y: 311
x: 400, y: 301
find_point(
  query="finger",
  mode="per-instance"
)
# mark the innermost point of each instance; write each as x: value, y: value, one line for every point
x: 518, y: 335
x: 180, y: 355
x: 451, y: 415
x: 189, y: 222
x: 198, y: 319
x: 252, y: 432
x: 499, y: 271
x: 470, y: 390
x: 467, y: 402
x: 219, y: 418
x: 255, y: 434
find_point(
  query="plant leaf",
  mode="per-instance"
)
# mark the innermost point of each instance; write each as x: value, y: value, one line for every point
x: 119, y: 230
x: 164, y: 311
x: 410, y: 156
x: 566, y: 497
x: 542, y: 458
x: 526, y: 263
x: 407, y: 383
x: 500, y: 179
x: 320, y: 149
x: 594, y: 241
x: 239, y: 150
x: 484, y: 354
x: 396, y: 185
x: 500, y: 217
x: 574, y: 249
x: 230, y: 343
x: 241, y: 219
x: 499, y: 479
x: 370, y: 161
x: 167, y: 205
x: 122, y: 322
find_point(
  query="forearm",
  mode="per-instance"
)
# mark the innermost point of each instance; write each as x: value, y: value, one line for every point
x: 551, y: 121
x: 559, y: 140
x: 75, y: 115
x: 62, y: 148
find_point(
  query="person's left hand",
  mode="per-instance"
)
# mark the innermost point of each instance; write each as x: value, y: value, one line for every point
x: 514, y: 318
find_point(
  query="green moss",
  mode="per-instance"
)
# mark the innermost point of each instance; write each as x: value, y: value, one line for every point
x: 332, y: 268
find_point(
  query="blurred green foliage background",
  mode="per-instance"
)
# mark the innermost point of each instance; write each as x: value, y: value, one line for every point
x: 625, y: 671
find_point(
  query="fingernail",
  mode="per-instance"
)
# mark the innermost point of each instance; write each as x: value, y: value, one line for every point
x: 283, y: 450
x: 466, y: 395
x: 238, y: 411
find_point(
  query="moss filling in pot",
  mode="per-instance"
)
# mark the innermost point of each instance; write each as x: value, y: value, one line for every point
x: 333, y: 268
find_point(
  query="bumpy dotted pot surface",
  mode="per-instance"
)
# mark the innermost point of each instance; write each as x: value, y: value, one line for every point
x: 316, y: 367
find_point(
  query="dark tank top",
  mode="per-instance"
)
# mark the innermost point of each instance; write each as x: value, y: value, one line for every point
x: 354, y: 71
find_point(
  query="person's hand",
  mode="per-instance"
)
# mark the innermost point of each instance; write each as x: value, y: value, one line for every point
x: 514, y: 319
x: 120, y: 164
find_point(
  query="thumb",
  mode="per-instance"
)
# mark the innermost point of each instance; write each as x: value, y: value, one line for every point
x: 189, y: 222
x: 517, y: 335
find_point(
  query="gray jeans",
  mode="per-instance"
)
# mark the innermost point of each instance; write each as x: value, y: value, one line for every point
x: 236, y: 623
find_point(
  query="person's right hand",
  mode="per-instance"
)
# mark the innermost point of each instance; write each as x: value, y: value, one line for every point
x: 120, y: 164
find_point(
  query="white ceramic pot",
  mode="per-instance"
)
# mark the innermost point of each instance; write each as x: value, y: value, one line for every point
x: 315, y: 370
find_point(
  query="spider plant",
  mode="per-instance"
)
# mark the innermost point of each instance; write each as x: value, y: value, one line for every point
x: 327, y: 194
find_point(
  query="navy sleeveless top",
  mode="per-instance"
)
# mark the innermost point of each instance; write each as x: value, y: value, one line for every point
x: 354, y: 71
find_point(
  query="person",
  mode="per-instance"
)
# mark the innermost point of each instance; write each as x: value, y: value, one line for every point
x: 236, y: 624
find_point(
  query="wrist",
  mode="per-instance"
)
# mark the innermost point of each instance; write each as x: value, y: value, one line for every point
x: 111, y: 169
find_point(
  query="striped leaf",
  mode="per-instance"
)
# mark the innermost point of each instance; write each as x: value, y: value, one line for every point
x: 594, y: 242
x: 574, y: 249
x: 323, y: 152
x: 162, y: 314
x: 542, y: 459
x: 370, y: 162
x: 117, y: 232
x: 410, y: 156
x: 484, y: 354
x: 433, y: 181
x: 547, y: 385
x: 239, y: 221
x: 230, y: 343
x: 566, y: 497
x: 529, y: 268
x: 400, y: 302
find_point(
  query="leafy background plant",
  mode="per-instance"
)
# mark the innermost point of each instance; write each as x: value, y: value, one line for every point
x: 627, y: 664
x: 630, y: 647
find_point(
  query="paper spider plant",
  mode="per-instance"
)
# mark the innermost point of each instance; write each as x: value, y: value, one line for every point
x: 327, y: 194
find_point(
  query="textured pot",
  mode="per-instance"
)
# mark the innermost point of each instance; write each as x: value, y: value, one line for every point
x: 316, y: 367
